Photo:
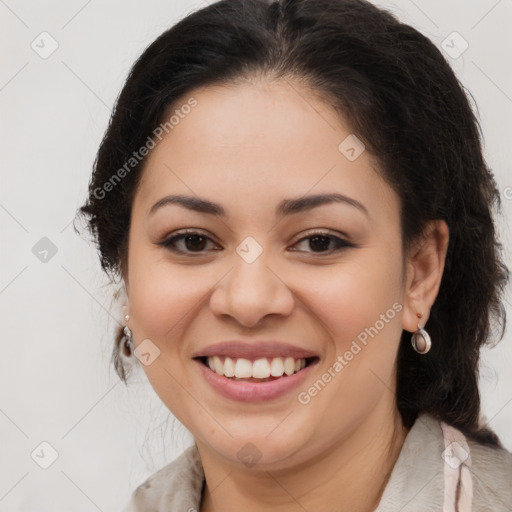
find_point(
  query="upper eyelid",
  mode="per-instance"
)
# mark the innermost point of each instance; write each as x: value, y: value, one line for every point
x: 311, y: 232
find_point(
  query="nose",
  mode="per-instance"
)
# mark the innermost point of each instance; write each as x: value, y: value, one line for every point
x: 251, y: 291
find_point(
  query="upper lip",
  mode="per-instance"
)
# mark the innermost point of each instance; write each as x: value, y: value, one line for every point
x: 254, y: 349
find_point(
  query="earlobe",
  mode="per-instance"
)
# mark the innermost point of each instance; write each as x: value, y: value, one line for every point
x: 425, y: 266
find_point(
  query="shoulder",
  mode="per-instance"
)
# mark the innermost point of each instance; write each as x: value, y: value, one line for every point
x: 491, y: 471
x: 176, y: 486
x: 439, y: 468
x: 485, y: 470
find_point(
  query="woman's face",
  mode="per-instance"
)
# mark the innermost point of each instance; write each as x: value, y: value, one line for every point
x: 276, y: 275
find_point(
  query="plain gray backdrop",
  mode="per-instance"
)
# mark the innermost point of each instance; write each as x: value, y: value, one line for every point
x: 61, y: 404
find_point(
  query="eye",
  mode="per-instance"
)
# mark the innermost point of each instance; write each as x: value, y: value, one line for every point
x: 195, y: 242
x: 320, y: 242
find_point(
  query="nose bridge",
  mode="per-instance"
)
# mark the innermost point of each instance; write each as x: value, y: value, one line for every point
x: 252, y: 289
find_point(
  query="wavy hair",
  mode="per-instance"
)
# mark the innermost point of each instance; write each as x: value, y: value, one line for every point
x: 402, y: 99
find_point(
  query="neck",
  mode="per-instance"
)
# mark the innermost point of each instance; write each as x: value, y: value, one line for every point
x: 350, y: 476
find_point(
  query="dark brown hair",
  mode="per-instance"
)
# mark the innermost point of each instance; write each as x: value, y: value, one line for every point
x: 401, y: 98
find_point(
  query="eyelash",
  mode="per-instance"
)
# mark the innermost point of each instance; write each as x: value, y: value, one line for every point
x: 169, y: 243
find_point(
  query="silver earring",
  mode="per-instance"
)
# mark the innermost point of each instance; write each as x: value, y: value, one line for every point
x: 421, y: 341
x: 127, y: 340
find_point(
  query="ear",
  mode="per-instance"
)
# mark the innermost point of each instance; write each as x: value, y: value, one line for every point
x: 425, y: 263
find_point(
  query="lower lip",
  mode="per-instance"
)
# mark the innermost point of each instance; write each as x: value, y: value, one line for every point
x: 253, y: 391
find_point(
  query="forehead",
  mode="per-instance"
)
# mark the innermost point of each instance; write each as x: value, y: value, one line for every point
x: 256, y: 142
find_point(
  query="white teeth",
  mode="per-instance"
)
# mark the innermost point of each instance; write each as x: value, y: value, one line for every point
x: 218, y: 366
x: 259, y: 369
x: 299, y: 364
x: 229, y: 367
x: 289, y: 366
x: 277, y: 367
x: 243, y: 369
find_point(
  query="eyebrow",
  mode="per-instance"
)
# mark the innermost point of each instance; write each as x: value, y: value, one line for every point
x: 285, y: 207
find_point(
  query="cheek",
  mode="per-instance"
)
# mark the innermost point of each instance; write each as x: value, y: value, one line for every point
x: 162, y: 295
x: 360, y: 306
x: 163, y: 299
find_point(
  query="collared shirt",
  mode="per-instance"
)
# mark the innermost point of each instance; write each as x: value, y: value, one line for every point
x: 437, y: 470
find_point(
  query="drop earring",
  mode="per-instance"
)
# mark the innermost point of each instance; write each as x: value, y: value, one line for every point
x: 420, y: 339
x: 126, y: 344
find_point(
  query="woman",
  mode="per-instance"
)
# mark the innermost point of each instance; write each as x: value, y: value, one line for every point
x: 339, y: 375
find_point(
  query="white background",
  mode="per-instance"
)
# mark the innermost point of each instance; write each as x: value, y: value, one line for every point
x: 58, y: 318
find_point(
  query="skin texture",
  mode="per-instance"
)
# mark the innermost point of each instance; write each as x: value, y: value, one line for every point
x: 247, y: 147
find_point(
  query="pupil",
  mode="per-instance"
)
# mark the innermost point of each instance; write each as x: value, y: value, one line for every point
x: 195, y: 238
x: 320, y: 246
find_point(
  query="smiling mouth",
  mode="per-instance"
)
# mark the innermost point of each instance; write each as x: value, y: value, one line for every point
x: 258, y: 370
